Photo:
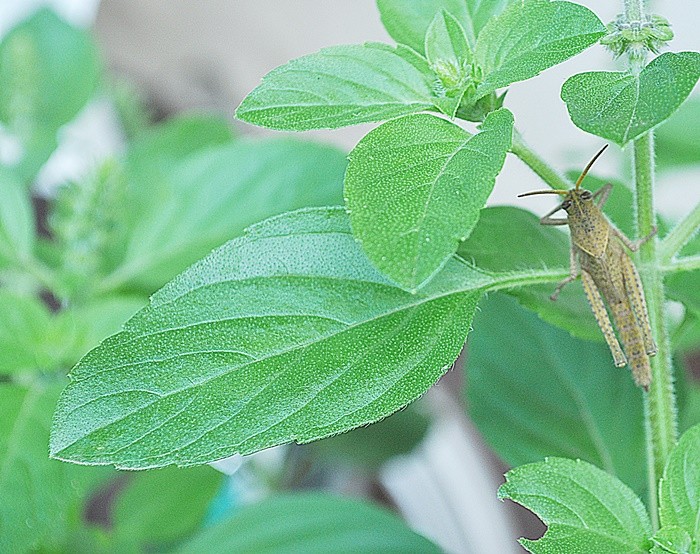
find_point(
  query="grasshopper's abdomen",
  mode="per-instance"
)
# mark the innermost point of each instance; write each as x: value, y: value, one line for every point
x: 632, y: 339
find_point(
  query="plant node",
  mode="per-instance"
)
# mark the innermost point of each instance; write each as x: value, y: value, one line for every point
x: 638, y: 37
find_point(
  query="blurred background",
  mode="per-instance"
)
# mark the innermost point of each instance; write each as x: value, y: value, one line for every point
x: 161, y: 59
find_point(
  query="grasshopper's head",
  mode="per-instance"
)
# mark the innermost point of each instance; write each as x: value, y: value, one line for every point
x: 577, y: 201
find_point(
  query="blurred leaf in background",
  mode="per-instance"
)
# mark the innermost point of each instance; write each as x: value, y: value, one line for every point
x: 48, y: 71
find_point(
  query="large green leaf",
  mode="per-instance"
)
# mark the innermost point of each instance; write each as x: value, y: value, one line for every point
x: 672, y: 540
x: 286, y: 334
x: 213, y: 195
x: 620, y: 106
x: 312, y: 524
x: 531, y: 36
x: 407, y: 22
x: 534, y: 391
x: 41, y: 498
x: 339, y: 86
x: 48, y: 71
x: 512, y: 239
x: 163, y: 506
x: 17, y: 235
x: 585, y: 509
x: 415, y: 186
x: 679, y: 489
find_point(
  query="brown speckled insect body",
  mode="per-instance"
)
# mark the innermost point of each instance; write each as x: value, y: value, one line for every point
x: 598, y: 254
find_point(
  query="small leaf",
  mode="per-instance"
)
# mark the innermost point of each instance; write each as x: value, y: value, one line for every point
x: 415, y: 186
x: 336, y: 87
x: 407, y: 22
x: 445, y: 41
x: 531, y: 36
x: 286, y: 334
x: 511, y: 239
x: 671, y: 540
x: 163, y: 506
x: 41, y: 498
x: 211, y: 196
x: 679, y: 501
x: 585, y: 509
x: 17, y: 234
x: 311, y: 523
x: 547, y: 393
x: 48, y: 71
x: 620, y: 106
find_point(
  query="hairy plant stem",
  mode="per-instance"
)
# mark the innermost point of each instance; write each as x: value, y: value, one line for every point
x: 660, y: 403
x: 548, y: 174
x: 634, y: 10
x: 679, y: 236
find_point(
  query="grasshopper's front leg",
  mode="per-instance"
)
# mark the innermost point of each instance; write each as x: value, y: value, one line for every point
x: 633, y: 245
x: 573, y: 273
x: 546, y: 219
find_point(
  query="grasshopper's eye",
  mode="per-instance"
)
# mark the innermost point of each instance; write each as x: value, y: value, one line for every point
x: 566, y: 204
x: 586, y: 195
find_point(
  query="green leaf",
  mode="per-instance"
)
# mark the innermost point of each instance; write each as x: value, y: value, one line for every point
x: 287, y: 334
x: 446, y: 42
x: 311, y: 523
x: 163, y: 506
x: 48, y: 71
x: 41, y: 498
x: 585, y: 509
x: 415, y: 186
x: 212, y: 196
x: 336, y: 87
x: 511, y: 239
x: 23, y: 324
x: 534, y: 391
x: 677, y: 141
x: 17, y: 234
x: 620, y: 106
x: 679, y: 501
x: 407, y: 22
x: 153, y: 152
x: 673, y: 540
x: 531, y: 36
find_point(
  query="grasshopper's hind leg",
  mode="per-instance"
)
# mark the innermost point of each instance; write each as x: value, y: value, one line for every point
x: 601, y: 316
x: 635, y: 292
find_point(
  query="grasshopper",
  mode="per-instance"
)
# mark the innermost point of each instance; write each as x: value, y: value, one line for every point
x: 606, y: 269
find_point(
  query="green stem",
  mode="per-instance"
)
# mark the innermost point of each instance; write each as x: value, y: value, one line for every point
x: 686, y: 263
x: 660, y: 402
x: 634, y: 9
x: 680, y: 235
x: 548, y: 174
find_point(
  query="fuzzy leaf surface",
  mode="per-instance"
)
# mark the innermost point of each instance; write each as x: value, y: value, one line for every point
x: 679, y: 489
x: 550, y: 393
x: 585, y: 508
x: 414, y: 189
x: 620, y: 107
x: 313, y: 524
x: 531, y: 36
x: 336, y: 87
x: 407, y: 22
x: 286, y: 334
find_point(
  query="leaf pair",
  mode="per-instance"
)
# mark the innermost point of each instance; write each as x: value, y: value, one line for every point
x: 620, y: 106
x: 588, y: 510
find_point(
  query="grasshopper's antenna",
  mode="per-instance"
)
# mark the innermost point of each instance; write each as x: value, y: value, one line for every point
x: 590, y: 164
x: 549, y: 191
